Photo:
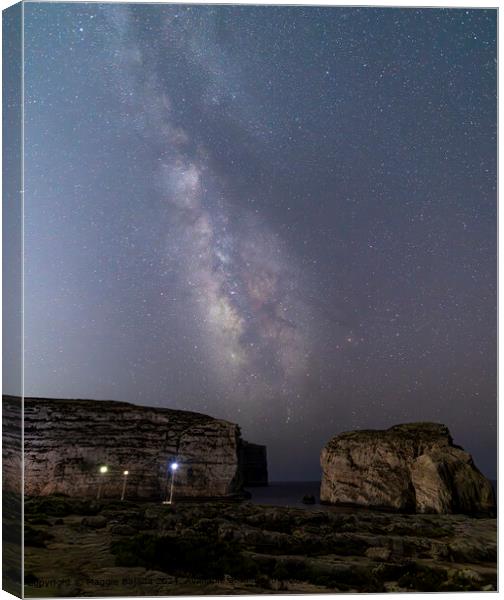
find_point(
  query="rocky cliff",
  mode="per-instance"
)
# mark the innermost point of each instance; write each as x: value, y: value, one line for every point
x: 413, y: 467
x: 255, y: 464
x: 66, y: 441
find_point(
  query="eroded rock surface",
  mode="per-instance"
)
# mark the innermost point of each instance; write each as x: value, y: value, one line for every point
x: 67, y: 440
x: 413, y: 467
x: 90, y: 548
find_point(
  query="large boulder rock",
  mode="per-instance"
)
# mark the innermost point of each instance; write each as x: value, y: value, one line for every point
x: 66, y: 441
x: 413, y: 468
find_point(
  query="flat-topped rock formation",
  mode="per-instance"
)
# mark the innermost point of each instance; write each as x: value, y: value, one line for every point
x: 413, y: 468
x: 66, y: 441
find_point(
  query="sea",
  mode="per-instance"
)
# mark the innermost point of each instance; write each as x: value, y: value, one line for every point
x: 286, y: 493
x: 291, y: 493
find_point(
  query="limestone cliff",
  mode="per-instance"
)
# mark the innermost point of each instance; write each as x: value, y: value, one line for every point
x: 66, y: 441
x: 413, y: 467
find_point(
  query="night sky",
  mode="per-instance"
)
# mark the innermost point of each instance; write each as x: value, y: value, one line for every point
x: 281, y: 216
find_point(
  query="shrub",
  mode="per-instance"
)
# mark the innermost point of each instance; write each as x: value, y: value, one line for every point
x: 35, y: 537
x: 189, y: 554
x: 422, y: 579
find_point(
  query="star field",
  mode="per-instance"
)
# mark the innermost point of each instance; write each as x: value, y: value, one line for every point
x: 281, y: 216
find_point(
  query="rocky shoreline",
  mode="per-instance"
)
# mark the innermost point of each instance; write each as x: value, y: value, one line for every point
x: 87, y: 548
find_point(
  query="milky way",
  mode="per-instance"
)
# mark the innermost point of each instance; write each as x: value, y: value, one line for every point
x: 240, y: 281
x: 281, y: 216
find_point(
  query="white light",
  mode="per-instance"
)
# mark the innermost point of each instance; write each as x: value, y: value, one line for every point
x: 174, y: 466
x: 103, y: 469
x: 125, y: 472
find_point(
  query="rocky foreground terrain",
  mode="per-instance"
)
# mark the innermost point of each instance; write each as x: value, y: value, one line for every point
x: 88, y: 548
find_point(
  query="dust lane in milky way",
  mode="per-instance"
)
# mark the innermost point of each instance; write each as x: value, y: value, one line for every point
x: 283, y: 216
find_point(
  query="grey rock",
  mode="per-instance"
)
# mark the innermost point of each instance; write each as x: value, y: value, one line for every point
x: 66, y: 441
x: 413, y: 467
x: 469, y: 575
x: 97, y: 522
x: 378, y: 553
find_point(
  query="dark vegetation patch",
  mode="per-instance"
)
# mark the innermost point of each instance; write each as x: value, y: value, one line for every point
x: 30, y: 578
x: 195, y: 554
x: 36, y: 537
x: 60, y: 506
x: 347, y: 545
x: 11, y: 530
x: 13, y: 573
x: 423, y: 579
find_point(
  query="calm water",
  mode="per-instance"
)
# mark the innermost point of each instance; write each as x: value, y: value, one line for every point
x: 290, y: 493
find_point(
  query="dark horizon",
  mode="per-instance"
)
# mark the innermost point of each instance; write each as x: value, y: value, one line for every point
x: 284, y: 217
